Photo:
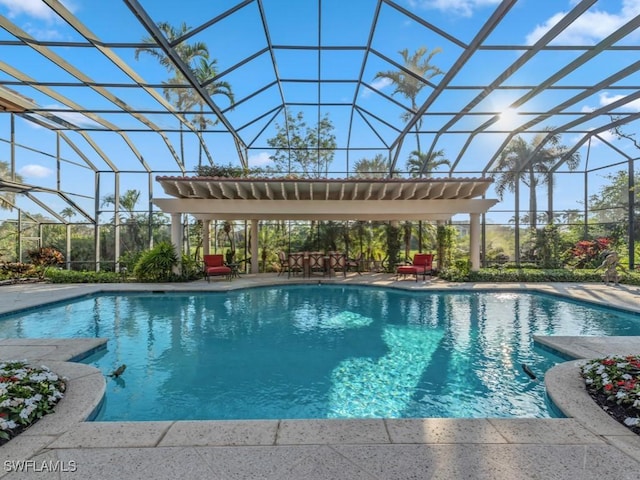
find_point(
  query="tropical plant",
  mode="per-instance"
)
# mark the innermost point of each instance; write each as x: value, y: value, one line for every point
x: 421, y: 164
x: 228, y: 230
x: 531, y: 163
x: 376, y: 167
x: 7, y: 199
x: 67, y: 213
x: 196, y: 57
x: 231, y: 171
x: 156, y: 264
x: 412, y: 78
x: 15, y: 270
x: 311, y: 148
x: 393, y: 246
x: 446, y: 239
x: 132, y: 240
x: 206, y: 71
x: 44, y: 258
x: 589, y: 253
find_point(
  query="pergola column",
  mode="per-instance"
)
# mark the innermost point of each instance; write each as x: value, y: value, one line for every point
x: 206, y: 237
x: 176, y: 239
x: 255, y: 257
x: 474, y: 241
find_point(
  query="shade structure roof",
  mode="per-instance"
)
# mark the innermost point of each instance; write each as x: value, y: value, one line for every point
x: 324, y: 199
x: 71, y: 68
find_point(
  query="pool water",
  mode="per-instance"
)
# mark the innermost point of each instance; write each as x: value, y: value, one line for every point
x: 321, y: 351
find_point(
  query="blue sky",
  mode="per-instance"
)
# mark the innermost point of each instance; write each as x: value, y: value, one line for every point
x: 240, y: 35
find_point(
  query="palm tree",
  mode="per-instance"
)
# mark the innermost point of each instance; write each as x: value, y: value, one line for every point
x: 174, y: 89
x: 205, y: 71
x: 408, y: 85
x: 376, y: 167
x: 422, y: 164
x: 128, y: 202
x: 536, y: 172
x: 67, y: 213
x: 7, y: 199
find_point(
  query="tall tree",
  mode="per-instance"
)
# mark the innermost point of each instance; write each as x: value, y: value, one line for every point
x: 609, y: 207
x: 409, y: 85
x: 7, y: 198
x: 128, y: 201
x: 311, y: 148
x: 418, y: 159
x: 538, y: 169
x: 192, y: 54
x: 204, y: 71
x: 67, y: 213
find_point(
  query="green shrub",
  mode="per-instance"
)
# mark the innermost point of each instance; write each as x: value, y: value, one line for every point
x: 191, y: 269
x: 129, y: 260
x: 75, y: 276
x: 156, y: 265
x: 533, y: 275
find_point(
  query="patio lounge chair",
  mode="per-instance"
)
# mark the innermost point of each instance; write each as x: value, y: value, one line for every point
x: 422, y: 264
x: 214, y: 266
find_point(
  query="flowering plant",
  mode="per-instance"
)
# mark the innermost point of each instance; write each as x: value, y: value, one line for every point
x: 615, y: 383
x: 26, y: 394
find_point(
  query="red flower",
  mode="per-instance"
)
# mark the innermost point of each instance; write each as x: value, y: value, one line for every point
x: 608, y: 361
x: 608, y: 387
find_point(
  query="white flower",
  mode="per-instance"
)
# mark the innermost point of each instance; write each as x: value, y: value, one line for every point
x: 7, y: 424
x: 631, y: 421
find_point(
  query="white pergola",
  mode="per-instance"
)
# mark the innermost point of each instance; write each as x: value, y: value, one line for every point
x: 254, y: 199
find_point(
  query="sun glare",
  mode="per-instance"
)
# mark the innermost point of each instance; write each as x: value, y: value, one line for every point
x: 508, y: 118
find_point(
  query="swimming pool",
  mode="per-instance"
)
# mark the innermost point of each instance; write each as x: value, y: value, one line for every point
x: 311, y: 351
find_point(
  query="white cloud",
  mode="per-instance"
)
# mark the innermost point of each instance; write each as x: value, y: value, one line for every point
x: 591, y: 27
x: 74, y: 118
x: 259, y: 160
x: 35, y: 171
x: 33, y: 8
x: 606, y: 135
x: 378, y: 84
x: 606, y: 99
x: 464, y: 8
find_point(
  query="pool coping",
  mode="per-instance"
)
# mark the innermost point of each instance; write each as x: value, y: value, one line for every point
x: 587, y: 424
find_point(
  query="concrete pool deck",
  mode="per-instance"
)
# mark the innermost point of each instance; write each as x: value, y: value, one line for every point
x: 588, y: 444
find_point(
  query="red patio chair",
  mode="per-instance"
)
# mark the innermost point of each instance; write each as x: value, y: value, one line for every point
x: 214, y: 266
x: 422, y: 265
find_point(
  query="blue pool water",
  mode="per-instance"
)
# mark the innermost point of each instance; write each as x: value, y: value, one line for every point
x: 321, y: 351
